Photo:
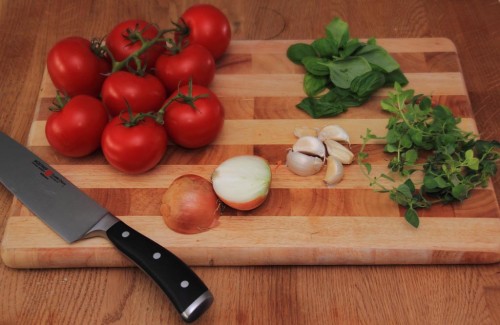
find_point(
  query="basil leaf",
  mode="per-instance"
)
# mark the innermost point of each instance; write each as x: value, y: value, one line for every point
x: 324, y: 47
x: 352, y: 46
x: 316, y: 66
x: 345, y: 96
x: 313, y: 85
x: 344, y: 71
x: 333, y: 103
x: 297, y: 52
x: 368, y: 83
x: 379, y: 57
x: 316, y: 108
x: 338, y: 31
x: 395, y: 76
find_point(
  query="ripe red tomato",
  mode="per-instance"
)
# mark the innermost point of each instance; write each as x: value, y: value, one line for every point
x: 192, y: 62
x: 143, y: 93
x: 75, y: 69
x: 122, y: 42
x: 207, y: 26
x: 134, y: 149
x: 194, y: 127
x: 76, y: 129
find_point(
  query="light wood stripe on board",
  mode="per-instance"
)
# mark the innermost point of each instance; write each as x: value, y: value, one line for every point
x: 246, y: 132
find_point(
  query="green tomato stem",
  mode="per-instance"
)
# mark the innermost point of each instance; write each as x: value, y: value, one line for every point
x: 59, y: 102
x: 145, y: 45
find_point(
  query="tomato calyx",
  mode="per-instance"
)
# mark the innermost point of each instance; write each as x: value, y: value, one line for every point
x: 59, y: 102
x: 135, y: 35
x: 188, y: 99
x: 135, y: 119
x: 98, y: 48
x: 181, y: 29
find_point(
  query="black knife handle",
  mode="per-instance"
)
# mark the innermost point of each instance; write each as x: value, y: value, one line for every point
x: 185, y: 289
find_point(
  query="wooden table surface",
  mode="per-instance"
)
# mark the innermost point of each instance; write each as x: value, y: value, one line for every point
x: 254, y: 295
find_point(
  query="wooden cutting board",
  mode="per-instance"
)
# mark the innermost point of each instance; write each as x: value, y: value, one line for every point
x: 302, y: 221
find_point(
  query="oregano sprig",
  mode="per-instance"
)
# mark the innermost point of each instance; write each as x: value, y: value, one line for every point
x: 426, y: 138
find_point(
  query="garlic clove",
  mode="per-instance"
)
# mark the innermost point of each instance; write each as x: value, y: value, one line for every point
x: 334, y: 171
x: 343, y: 157
x: 302, y: 131
x: 334, y: 132
x: 338, y: 151
x: 310, y: 145
x: 302, y: 164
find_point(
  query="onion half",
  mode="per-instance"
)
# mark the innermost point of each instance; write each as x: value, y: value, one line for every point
x: 242, y: 182
x: 190, y: 205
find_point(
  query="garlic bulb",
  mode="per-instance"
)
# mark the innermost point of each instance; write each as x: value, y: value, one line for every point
x: 310, y: 145
x: 337, y: 150
x: 334, y: 132
x: 307, y: 155
x: 334, y: 171
x: 302, y: 164
x: 302, y: 131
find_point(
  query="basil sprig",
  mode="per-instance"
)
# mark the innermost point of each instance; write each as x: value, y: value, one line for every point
x: 342, y: 72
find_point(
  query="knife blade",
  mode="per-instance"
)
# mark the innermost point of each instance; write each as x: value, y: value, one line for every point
x: 74, y: 216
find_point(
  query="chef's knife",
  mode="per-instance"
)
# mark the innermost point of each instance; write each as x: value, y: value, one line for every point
x: 74, y: 215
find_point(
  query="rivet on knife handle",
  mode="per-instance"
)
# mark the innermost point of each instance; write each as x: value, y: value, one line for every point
x: 185, y: 289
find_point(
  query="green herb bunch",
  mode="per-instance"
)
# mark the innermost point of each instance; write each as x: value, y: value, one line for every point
x: 349, y: 70
x: 426, y: 138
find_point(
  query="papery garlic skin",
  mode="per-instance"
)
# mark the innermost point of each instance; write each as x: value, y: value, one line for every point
x: 302, y: 164
x: 334, y: 132
x: 310, y: 145
x: 334, y: 171
x: 302, y: 131
x: 337, y: 150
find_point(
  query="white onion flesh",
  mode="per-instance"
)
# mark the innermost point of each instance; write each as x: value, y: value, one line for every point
x: 242, y: 182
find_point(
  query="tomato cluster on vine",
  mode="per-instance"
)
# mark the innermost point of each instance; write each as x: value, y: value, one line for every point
x: 141, y: 86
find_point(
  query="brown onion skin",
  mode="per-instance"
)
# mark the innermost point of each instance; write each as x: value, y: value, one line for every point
x: 190, y: 205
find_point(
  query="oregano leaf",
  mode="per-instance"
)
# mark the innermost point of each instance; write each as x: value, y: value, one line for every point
x: 411, y: 217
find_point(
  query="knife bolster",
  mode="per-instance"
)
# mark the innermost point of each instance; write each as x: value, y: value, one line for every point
x: 100, y: 228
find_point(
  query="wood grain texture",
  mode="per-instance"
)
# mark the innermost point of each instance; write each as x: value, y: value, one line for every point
x: 302, y: 222
x: 255, y: 295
